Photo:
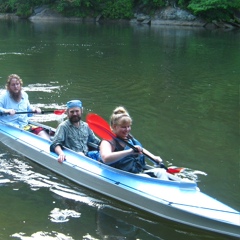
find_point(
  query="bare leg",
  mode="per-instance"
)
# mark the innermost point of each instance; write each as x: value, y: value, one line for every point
x: 160, y: 173
x: 143, y: 174
x: 44, y: 135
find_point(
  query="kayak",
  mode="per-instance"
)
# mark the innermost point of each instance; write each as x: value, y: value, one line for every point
x: 178, y: 200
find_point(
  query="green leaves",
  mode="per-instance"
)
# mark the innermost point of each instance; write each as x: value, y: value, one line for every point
x: 214, y: 9
x: 118, y: 9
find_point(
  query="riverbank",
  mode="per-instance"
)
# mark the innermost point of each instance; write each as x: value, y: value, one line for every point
x: 165, y: 16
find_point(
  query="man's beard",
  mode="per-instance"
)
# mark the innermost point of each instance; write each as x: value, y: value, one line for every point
x: 74, y: 119
x: 16, y: 96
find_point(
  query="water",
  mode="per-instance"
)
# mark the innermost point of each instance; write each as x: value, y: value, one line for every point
x: 180, y: 85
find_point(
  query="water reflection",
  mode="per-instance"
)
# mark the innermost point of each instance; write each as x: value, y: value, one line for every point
x: 109, y: 227
x: 114, y: 223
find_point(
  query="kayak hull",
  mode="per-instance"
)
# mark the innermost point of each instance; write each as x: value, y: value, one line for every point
x: 180, y: 201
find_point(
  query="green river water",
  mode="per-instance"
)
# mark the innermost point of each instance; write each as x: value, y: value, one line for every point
x: 181, y: 87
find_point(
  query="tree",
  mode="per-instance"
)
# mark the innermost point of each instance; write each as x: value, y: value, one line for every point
x: 214, y: 9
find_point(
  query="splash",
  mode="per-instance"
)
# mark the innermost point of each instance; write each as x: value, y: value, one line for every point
x: 58, y: 215
x: 41, y: 88
x: 43, y: 235
x: 191, y: 174
x: 14, y: 171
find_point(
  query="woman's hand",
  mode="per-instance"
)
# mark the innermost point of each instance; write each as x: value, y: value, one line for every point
x: 138, y: 149
x: 158, y: 159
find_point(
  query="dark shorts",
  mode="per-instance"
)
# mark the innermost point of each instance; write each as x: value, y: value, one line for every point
x: 33, y: 128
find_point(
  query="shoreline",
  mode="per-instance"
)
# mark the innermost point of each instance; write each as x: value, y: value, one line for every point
x: 50, y: 16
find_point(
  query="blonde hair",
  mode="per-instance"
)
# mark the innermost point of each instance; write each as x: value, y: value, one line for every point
x: 10, y: 77
x: 120, y: 116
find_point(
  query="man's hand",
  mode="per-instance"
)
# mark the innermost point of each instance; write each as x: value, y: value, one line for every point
x: 61, y: 157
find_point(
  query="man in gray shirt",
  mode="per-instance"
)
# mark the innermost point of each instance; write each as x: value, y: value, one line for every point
x: 73, y: 133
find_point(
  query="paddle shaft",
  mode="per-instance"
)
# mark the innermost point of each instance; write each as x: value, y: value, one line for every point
x: 42, y: 112
x: 136, y: 150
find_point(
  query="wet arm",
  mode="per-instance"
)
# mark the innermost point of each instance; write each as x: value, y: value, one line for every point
x: 156, y: 158
x: 61, y: 155
x: 58, y: 142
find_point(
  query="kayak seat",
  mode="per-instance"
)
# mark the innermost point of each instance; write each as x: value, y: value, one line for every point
x: 93, y: 146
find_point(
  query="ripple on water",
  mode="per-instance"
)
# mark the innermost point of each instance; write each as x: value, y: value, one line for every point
x: 14, y: 171
x: 43, y: 235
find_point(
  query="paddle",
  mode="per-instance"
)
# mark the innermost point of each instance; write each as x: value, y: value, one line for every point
x: 102, y: 128
x: 57, y: 112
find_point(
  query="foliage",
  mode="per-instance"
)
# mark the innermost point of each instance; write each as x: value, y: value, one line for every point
x: 22, y: 8
x: 148, y: 6
x: 214, y: 9
x: 118, y: 9
x: 77, y: 8
x: 122, y: 9
x: 151, y: 3
x: 201, y: 6
x: 183, y: 3
x: 5, y: 6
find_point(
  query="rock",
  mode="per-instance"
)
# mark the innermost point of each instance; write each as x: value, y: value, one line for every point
x: 169, y: 16
x: 171, y: 13
x: 44, y: 13
x: 222, y: 24
x: 38, y: 10
x: 237, y: 16
x: 178, y: 23
x: 142, y: 17
x: 146, y: 21
x: 98, y: 18
x: 8, y: 16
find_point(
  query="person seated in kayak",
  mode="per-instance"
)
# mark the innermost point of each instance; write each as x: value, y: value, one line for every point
x: 74, y: 134
x: 14, y: 100
x: 117, y: 154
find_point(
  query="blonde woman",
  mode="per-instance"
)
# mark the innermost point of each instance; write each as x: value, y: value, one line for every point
x: 117, y: 154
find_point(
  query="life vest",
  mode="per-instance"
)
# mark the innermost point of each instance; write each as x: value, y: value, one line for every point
x: 133, y: 163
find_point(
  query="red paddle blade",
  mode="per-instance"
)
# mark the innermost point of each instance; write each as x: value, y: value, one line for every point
x: 175, y: 170
x: 96, y: 119
x: 59, y: 112
x: 101, y: 131
x: 99, y: 126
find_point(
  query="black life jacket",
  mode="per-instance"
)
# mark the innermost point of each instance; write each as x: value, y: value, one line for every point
x: 133, y: 163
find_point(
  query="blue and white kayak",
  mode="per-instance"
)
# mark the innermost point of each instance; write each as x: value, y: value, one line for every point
x: 179, y: 200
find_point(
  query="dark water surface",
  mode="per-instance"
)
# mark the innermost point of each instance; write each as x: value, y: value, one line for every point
x: 181, y: 86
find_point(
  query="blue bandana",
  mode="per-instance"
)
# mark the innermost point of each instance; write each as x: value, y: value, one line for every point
x: 74, y: 103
